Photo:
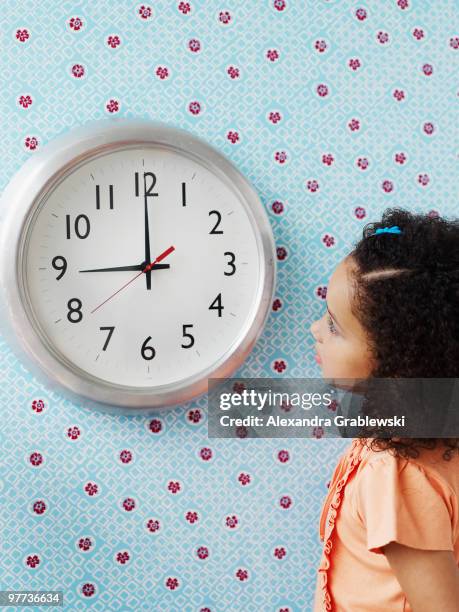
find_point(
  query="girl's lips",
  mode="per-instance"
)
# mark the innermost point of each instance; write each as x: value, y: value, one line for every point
x: 317, y: 358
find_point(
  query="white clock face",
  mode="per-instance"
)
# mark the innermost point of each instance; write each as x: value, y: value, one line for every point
x: 170, y: 323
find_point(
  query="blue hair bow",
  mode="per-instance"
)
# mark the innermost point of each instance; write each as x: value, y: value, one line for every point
x: 388, y: 230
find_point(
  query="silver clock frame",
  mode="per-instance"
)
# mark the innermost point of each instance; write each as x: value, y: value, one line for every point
x: 27, y: 191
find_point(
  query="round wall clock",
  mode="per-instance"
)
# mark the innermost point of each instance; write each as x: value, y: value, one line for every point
x: 136, y: 263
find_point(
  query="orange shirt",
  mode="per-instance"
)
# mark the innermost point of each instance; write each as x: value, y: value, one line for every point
x: 375, y: 498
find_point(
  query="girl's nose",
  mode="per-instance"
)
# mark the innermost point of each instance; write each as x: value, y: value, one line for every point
x: 315, y: 330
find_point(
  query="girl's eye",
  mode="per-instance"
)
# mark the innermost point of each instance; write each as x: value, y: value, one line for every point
x: 331, y: 325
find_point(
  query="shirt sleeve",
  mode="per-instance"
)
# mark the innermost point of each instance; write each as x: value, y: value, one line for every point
x: 398, y: 501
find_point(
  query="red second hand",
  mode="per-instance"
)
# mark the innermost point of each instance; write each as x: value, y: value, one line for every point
x: 146, y: 269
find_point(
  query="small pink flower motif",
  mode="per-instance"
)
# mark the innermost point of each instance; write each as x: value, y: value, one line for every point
x: 233, y: 137
x: 285, y: 502
x: 224, y: 17
x: 153, y: 525
x: 241, y: 432
x: 333, y: 405
x: 202, y: 552
x: 36, y: 459
x: 354, y: 63
x: 205, y: 453
x: 428, y: 128
x: 363, y: 163
x: 191, y: 517
x: 194, y: 107
x: 125, y: 456
x: 162, y: 72
x: 387, y: 186
x: 433, y: 214
x: 280, y: 157
x: 423, y: 179
x: 113, y: 41
x: 286, y: 406
x: 279, y: 365
x: 244, y: 479
x: 233, y: 72
x: 184, y: 7
x: 399, y: 95
x: 194, y: 45
x: 427, y: 69
x: 403, y: 4
x: 85, y: 544
x: 418, y: 33
x: 91, y: 488
x: 38, y: 406
x: 129, y: 504
x: 238, y: 387
x: 312, y: 186
x: 75, y: 24
x: 242, y: 574
x: 454, y: 42
x: 33, y: 560
x: 272, y: 55
x: 277, y: 207
x: 382, y: 37
x: 274, y: 117
x: 322, y: 90
x: 122, y: 557
x: 281, y: 253
x: 328, y: 159
x: 73, y: 432
x: 277, y: 305
x: 361, y: 14
x: 321, y: 292
x: 78, y: 71
x: 31, y: 143
x: 320, y: 45
x: 280, y: 552
x: 232, y: 521
x: 155, y: 426
x: 400, y: 158
x: 205, y: 610
x: 39, y: 506
x: 88, y: 589
x: 279, y: 5
x: 360, y: 212
x: 318, y: 432
x: 112, y: 106
x: 25, y: 101
x: 172, y: 583
x: 22, y: 35
x: 174, y: 486
x: 328, y: 240
x: 194, y: 416
x: 283, y: 456
x: 144, y: 12
x: 354, y: 125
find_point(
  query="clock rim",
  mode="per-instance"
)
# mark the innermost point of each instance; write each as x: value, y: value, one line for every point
x: 28, y: 190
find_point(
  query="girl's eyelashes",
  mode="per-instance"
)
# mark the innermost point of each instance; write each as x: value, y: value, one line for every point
x: 331, y: 325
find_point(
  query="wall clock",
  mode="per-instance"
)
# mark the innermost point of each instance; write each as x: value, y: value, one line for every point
x: 136, y: 263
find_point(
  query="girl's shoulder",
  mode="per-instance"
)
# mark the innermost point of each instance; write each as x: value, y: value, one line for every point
x: 407, y: 500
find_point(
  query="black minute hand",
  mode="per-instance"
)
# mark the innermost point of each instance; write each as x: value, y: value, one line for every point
x: 126, y: 268
x: 147, y: 233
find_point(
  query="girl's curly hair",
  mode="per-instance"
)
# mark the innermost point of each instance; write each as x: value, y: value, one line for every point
x: 407, y: 299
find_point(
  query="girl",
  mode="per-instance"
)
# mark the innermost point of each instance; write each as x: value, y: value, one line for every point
x: 390, y: 522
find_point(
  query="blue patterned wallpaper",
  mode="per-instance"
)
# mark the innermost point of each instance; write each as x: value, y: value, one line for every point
x: 334, y: 110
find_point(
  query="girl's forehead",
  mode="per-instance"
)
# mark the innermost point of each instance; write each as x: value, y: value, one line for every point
x: 340, y: 295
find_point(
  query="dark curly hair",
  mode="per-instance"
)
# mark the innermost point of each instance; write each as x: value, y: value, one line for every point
x: 407, y: 295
